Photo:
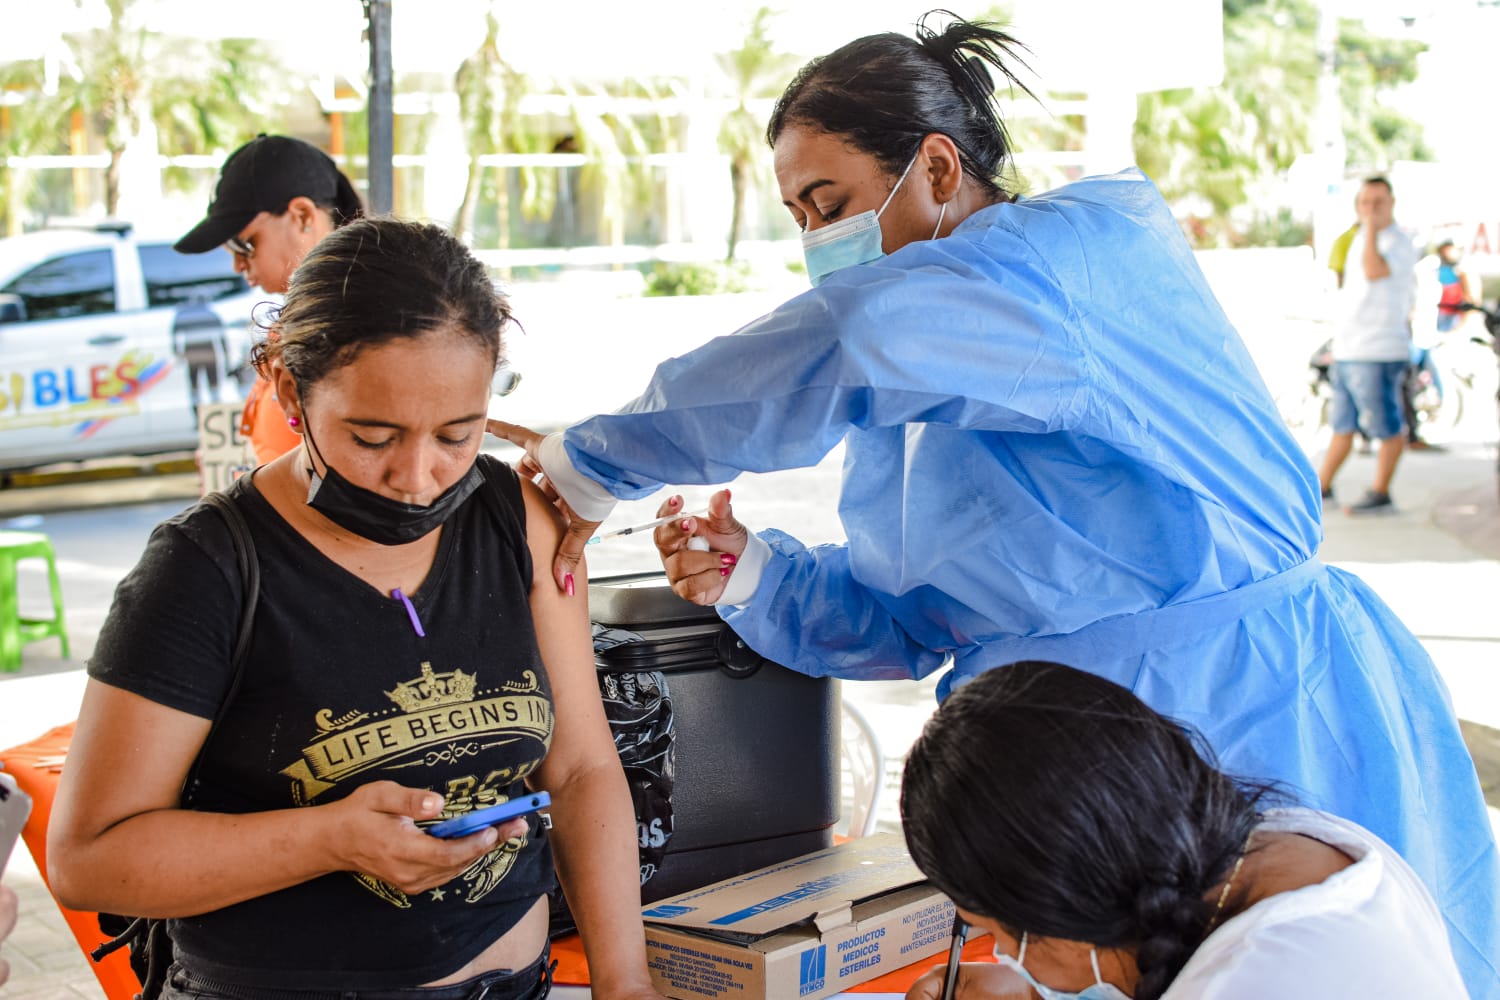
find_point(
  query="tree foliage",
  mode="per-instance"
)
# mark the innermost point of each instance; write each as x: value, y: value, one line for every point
x: 1369, y: 65
x: 124, y: 79
x: 1207, y: 147
x: 489, y: 95
x: 28, y: 127
x: 753, y: 70
x: 1210, y: 149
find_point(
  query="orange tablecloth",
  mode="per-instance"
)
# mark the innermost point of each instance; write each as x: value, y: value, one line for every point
x: 37, y: 765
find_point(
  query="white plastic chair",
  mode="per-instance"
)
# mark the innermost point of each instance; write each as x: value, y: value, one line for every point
x: 864, y: 762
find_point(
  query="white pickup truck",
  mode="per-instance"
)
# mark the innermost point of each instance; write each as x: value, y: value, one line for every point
x: 110, y: 342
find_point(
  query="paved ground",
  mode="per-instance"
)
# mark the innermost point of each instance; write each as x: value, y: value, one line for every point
x: 1436, y: 561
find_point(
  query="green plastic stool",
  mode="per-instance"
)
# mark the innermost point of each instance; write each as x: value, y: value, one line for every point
x: 16, y: 631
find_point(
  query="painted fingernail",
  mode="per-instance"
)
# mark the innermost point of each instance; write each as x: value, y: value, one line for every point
x: 725, y: 570
x: 687, y: 525
x: 674, y: 501
x: 568, y: 584
x: 728, y: 558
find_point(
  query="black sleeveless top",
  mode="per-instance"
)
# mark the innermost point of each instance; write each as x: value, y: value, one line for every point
x: 338, y: 690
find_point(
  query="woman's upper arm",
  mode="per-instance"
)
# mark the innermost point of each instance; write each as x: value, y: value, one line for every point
x: 580, y: 732
x: 158, y: 674
x: 128, y: 756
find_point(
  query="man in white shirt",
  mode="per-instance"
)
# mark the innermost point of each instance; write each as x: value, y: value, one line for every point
x: 1372, y: 344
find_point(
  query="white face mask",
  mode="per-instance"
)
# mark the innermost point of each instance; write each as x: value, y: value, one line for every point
x: 1099, y: 991
x: 855, y: 240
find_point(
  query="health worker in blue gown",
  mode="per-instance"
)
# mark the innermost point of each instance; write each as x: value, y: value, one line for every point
x: 1057, y: 448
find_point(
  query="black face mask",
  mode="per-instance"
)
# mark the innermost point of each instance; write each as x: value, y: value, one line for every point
x: 378, y: 518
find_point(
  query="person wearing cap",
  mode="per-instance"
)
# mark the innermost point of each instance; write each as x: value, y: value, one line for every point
x: 277, y: 197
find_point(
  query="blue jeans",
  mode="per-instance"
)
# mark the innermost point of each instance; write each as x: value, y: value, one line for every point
x: 1367, y: 394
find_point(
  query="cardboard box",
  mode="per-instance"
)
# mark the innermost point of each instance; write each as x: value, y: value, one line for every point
x: 799, y: 930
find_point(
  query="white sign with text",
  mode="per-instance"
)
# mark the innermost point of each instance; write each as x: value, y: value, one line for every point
x: 224, y: 455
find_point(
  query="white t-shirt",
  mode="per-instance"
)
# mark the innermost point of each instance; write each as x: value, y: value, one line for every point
x: 1374, y: 317
x: 1371, y: 930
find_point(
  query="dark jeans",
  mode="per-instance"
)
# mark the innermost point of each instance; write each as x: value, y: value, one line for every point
x: 531, y: 983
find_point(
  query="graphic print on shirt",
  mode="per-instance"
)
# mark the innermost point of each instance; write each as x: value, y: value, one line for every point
x: 437, y: 720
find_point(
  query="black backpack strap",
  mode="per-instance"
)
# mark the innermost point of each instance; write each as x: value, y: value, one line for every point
x: 150, y: 947
x: 244, y: 555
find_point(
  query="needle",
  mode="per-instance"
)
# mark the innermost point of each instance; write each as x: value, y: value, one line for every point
x: 622, y: 532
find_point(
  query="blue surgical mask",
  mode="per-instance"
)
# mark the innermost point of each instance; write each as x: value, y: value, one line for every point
x: 855, y: 240
x: 1099, y: 991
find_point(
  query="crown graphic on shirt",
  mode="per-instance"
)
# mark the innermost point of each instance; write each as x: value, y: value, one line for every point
x: 433, y: 690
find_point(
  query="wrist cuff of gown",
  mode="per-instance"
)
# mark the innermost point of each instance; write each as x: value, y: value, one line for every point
x: 747, y: 573
x: 588, y: 499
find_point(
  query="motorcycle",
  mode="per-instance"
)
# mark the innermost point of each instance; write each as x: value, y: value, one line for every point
x: 1439, y: 380
x: 1492, y: 327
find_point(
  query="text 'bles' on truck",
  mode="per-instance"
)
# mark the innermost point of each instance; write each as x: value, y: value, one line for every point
x: 110, y: 342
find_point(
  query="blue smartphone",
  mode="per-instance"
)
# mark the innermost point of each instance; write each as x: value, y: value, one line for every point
x: 473, y: 822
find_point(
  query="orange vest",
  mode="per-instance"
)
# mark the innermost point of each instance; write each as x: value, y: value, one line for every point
x: 264, y: 423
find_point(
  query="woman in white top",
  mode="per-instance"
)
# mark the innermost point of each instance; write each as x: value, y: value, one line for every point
x: 1110, y: 859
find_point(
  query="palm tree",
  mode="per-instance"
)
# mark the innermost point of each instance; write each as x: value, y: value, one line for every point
x: 754, y: 70
x: 1216, y: 143
x: 1376, y: 134
x: 28, y: 127
x: 489, y: 95
x: 1213, y: 144
x: 616, y: 130
x: 215, y: 96
x: 191, y: 94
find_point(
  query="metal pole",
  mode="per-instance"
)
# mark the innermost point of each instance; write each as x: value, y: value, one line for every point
x: 381, y: 181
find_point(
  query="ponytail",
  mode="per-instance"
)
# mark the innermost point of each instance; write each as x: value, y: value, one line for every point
x: 883, y: 94
x: 347, y: 205
x: 967, y: 50
x: 1172, y: 915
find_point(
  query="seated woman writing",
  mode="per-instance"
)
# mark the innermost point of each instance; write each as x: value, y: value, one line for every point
x: 405, y: 665
x: 1111, y: 860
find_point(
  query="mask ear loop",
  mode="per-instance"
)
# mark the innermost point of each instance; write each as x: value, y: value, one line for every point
x: 900, y: 181
x: 942, y: 210
x: 314, y: 478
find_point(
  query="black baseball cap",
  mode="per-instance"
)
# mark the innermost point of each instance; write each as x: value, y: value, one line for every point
x: 263, y: 175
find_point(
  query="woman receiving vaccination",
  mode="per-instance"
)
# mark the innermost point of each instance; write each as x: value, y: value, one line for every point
x: 404, y: 667
x: 1056, y: 448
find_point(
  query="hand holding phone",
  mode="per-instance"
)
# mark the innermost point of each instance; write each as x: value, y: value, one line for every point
x: 473, y: 822
x: 15, y: 806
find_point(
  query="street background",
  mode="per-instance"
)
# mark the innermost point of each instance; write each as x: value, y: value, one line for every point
x: 1436, y: 561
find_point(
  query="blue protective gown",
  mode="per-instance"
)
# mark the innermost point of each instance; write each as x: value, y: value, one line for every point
x: 1058, y: 448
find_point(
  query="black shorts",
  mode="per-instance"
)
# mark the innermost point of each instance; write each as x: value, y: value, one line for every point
x: 530, y: 983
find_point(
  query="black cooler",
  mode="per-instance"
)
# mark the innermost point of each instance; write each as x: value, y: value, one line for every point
x: 733, y: 760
